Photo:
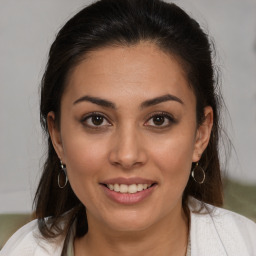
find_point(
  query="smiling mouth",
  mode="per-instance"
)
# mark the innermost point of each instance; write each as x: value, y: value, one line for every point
x: 128, y: 189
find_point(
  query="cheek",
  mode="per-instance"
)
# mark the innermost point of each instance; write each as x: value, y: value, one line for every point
x: 173, y: 157
x: 84, y: 157
x: 81, y: 154
x: 85, y: 160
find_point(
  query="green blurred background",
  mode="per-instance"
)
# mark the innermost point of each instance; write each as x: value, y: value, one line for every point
x: 240, y: 198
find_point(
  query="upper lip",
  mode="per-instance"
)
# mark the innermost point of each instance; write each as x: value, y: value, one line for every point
x: 128, y: 181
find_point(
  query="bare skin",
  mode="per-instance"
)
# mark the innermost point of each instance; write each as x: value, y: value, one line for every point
x: 137, y: 243
x: 128, y: 135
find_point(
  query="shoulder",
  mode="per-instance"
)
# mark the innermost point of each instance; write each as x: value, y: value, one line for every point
x: 29, y: 241
x: 226, y: 232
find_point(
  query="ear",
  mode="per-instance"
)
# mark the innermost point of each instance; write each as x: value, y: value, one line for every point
x: 55, y: 135
x: 203, y: 134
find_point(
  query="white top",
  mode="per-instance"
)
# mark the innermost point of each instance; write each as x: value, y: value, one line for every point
x: 214, y: 232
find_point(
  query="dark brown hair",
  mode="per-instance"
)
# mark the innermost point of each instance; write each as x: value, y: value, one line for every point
x: 125, y: 23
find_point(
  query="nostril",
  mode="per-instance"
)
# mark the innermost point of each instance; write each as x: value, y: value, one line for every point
x: 126, y: 164
x: 127, y: 157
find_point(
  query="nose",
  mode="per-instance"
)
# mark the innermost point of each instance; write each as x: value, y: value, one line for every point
x: 127, y: 149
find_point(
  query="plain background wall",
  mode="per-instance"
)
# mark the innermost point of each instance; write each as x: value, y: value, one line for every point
x: 28, y: 27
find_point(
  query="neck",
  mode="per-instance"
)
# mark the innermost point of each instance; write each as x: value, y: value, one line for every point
x: 167, y: 237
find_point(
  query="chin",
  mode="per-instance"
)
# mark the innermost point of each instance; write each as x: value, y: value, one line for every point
x: 130, y: 222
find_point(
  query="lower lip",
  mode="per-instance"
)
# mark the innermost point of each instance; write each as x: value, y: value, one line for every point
x: 126, y: 198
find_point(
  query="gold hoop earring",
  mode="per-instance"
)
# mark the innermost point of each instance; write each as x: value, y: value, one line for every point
x: 63, y: 169
x: 198, y: 174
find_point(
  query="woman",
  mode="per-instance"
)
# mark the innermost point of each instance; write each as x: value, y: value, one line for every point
x: 130, y: 107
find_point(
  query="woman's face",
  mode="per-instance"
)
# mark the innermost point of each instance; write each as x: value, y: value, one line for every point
x: 128, y: 122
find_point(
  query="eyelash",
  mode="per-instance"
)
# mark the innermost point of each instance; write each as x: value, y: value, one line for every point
x: 169, y: 117
x: 91, y: 115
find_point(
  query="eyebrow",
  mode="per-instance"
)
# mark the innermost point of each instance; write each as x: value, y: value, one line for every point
x: 157, y: 100
x: 147, y: 103
x: 98, y: 101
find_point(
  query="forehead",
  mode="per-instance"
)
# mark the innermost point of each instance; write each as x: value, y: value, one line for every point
x: 139, y: 70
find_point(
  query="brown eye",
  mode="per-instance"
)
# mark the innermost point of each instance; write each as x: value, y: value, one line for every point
x: 158, y: 120
x: 97, y: 120
x: 161, y: 120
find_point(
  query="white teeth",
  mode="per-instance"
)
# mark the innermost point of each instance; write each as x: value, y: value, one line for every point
x: 116, y: 188
x: 111, y: 186
x: 130, y: 189
x: 140, y: 187
x: 123, y: 188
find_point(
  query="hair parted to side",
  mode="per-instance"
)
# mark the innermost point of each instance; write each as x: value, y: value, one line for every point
x: 125, y: 23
